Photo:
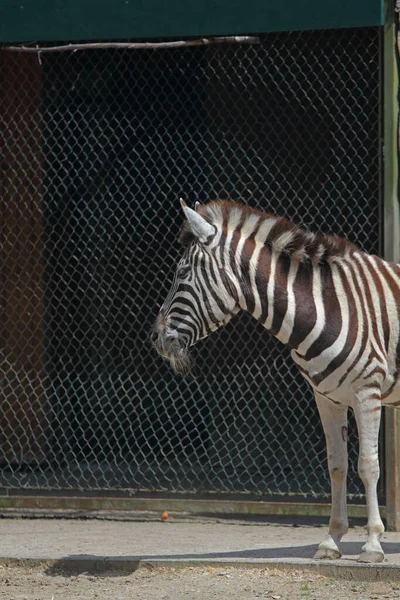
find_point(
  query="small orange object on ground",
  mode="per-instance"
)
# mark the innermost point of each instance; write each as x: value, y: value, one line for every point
x: 164, y: 516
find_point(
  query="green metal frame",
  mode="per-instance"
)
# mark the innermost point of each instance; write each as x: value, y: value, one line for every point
x: 51, y: 20
x: 391, y: 241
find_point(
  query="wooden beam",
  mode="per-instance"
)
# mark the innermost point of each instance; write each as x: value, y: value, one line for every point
x: 182, y: 505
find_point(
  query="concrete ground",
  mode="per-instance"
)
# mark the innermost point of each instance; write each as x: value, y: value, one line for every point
x: 113, y: 542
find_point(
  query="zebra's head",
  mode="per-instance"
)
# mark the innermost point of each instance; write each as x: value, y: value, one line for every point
x: 202, y: 297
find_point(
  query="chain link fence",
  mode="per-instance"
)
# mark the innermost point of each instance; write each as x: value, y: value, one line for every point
x: 97, y: 148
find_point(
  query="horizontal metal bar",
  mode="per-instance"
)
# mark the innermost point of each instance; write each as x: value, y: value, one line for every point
x: 231, y: 507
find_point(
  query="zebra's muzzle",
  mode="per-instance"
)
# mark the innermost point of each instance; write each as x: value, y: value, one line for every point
x: 173, y: 349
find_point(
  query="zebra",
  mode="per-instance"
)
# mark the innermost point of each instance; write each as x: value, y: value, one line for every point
x: 336, y: 307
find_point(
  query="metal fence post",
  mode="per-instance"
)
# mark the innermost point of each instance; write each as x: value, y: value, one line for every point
x: 391, y: 245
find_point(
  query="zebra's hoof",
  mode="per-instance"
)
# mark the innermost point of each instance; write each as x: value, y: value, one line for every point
x: 371, y: 557
x: 327, y: 554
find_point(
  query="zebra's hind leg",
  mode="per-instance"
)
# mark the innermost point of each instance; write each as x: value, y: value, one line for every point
x: 334, y: 422
x: 367, y: 410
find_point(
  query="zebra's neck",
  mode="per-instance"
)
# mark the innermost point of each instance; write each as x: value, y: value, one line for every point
x: 281, y: 298
x: 286, y: 295
x: 284, y: 275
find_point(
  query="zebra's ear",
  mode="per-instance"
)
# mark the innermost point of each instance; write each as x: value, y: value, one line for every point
x: 199, y: 226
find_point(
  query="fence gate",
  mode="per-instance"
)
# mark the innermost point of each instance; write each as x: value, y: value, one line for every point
x: 97, y: 148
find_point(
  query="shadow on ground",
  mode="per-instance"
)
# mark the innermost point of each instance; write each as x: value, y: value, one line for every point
x: 117, y: 565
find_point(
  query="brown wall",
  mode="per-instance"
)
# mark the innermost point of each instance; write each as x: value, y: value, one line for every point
x: 21, y: 268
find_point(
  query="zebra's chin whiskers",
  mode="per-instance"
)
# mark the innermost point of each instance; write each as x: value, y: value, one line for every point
x: 181, y: 362
x: 173, y: 351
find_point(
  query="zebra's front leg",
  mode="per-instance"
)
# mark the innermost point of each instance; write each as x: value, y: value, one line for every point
x: 334, y: 422
x: 367, y: 410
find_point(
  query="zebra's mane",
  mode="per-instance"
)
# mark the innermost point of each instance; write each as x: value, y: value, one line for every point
x: 284, y: 236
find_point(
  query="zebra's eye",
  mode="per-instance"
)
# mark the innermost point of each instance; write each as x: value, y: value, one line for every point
x: 183, y: 272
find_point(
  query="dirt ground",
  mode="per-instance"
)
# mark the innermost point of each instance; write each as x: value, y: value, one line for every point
x: 197, y: 583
